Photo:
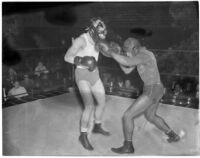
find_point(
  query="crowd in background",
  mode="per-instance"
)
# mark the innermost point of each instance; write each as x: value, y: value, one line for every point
x: 35, y: 73
x: 46, y: 71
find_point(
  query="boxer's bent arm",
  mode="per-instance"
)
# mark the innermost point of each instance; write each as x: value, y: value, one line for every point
x: 127, y: 70
x: 77, y: 44
x: 130, y: 61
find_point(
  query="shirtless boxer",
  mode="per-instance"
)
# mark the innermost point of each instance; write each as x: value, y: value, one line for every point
x: 84, y: 54
x: 148, y: 102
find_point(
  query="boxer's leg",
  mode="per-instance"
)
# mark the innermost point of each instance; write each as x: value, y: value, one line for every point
x: 86, y: 94
x: 135, y: 110
x: 85, y: 91
x: 99, y: 94
x: 151, y: 116
x: 160, y: 123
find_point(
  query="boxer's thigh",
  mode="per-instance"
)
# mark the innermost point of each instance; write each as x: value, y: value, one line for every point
x: 155, y: 93
x: 85, y: 91
x: 139, y: 106
x: 98, y: 91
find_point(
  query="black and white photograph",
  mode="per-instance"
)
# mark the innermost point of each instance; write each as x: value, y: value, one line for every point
x: 100, y: 78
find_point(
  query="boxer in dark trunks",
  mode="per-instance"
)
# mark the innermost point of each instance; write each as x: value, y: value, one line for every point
x: 148, y: 102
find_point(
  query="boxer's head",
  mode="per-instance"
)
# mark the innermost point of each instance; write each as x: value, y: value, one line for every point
x: 97, y: 29
x: 131, y: 46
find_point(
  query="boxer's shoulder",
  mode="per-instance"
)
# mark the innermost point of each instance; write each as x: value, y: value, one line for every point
x: 80, y: 41
x: 145, y: 53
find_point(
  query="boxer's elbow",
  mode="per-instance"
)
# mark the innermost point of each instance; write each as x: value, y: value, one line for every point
x: 69, y: 58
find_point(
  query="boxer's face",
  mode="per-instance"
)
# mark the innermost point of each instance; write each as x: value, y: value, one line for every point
x: 134, y: 51
x: 128, y: 48
x: 102, y: 32
x: 131, y: 47
x: 100, y: 28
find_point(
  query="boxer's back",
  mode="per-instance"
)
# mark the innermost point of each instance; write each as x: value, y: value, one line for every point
x: 148, y: 71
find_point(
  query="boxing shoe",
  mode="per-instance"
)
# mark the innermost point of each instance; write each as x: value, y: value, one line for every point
x: 84, y: 141
x: 172, y: 136
x: 127, y: 148
x: 99, y: 130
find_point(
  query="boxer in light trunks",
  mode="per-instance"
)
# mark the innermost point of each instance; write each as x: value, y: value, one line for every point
x: 84, y: 55
x: 148, y: 102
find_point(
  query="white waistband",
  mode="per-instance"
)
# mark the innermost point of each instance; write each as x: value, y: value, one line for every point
x: 84, y: 67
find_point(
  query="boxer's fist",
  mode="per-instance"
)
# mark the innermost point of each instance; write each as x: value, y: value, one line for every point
x: 77, y: 60
x: 103, y: 47
x: 114, y: 47
x: 89, y: 62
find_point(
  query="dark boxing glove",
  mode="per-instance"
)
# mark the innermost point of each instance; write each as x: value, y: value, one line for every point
x: 89, y: 62
x: 103, y: 47
x: 77, y: 60
x: 114, y: 47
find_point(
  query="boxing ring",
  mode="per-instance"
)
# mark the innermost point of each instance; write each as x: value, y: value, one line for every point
x: 50, y: 127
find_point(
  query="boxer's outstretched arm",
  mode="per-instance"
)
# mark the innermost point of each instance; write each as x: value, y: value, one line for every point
x: 129, y: 61
x: 71, y: 53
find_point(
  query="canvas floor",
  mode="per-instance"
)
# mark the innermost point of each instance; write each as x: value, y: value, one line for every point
x: 50, y: 127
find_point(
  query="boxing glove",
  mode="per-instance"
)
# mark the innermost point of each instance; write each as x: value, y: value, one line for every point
x: 89, y: 62
x: 77, y: 60
x: 115, y: 48
x: 103, y: 47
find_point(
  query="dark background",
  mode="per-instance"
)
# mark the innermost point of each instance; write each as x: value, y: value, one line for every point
x: 57, y: 21
x: 43, y: 31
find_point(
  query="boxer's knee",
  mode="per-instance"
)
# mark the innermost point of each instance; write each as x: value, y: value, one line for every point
x: 127, y: 117
x: 150, y: 116
x: 89, y: 108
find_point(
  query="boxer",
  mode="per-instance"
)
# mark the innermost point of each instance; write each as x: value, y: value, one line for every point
x: 153, y: 90
x: 84, y: 53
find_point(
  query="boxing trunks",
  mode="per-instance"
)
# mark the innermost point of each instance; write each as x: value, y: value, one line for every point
x: 154, y: 91
x: 84, y: 74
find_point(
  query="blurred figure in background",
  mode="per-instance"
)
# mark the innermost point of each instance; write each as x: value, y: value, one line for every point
x: 17, y: 91
x: 129, y: 86
x: 12, y: 75
x: 111, y: 83
x: 120, y: 82
x: 177, y: 89
x: 27, y: 83
x: 40, y: 69
x: 41, y: 73
x: 106, y: 77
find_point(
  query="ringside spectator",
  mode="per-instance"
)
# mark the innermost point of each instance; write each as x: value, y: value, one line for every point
x: 128, y: 85
x: 40, y: 69
x: 12, y: 75
x: 27, y: 83
x: 17, y: 91
x: 177, y: 89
